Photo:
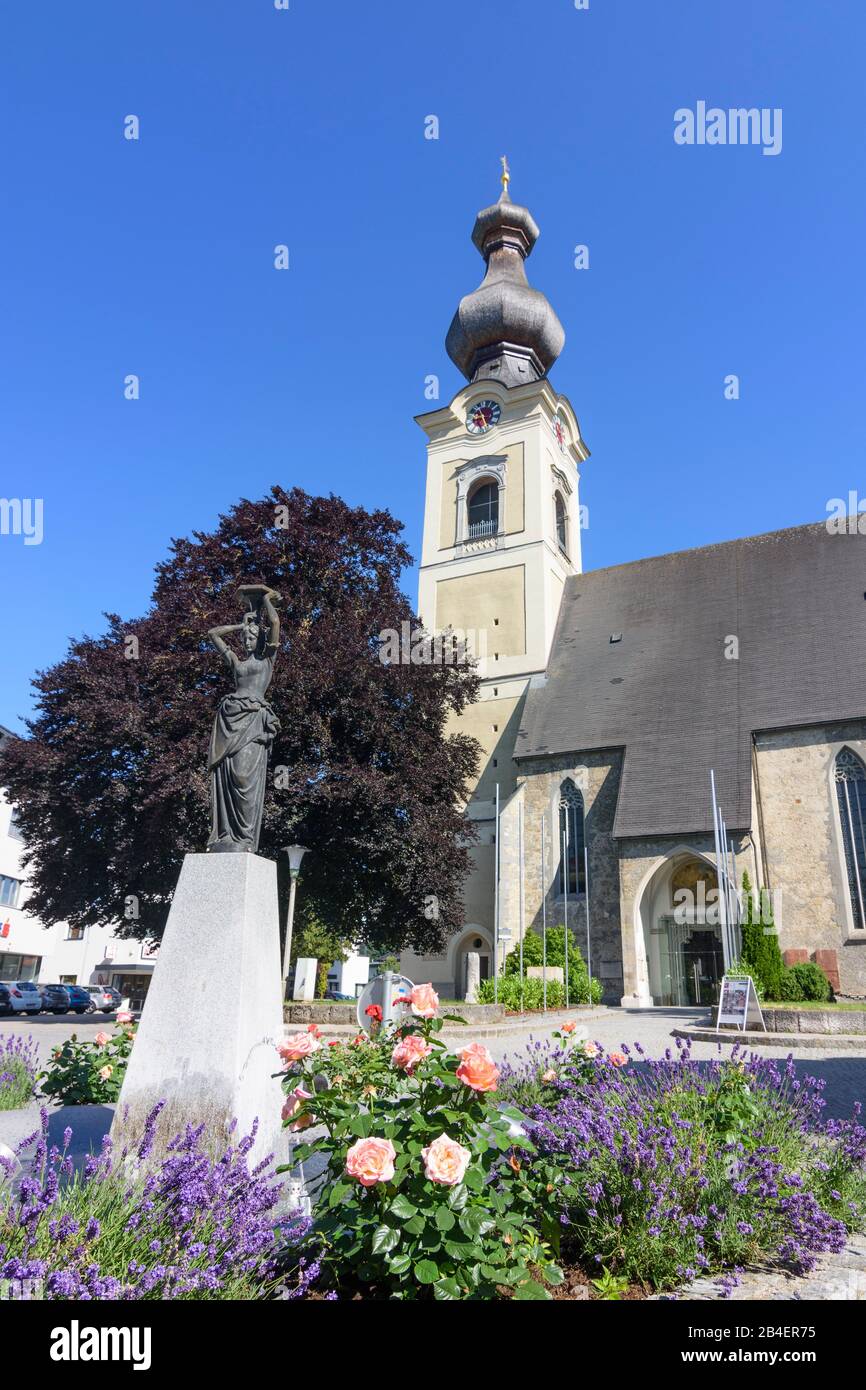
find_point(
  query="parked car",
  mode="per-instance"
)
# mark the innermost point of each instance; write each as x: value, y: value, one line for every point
x: 79, y: 999
x: 55, y: 999
x: 25, y: 997
x: 103, y: 999
x: 5, y: 1000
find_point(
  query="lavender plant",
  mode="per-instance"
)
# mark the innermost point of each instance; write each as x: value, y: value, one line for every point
x: 673, y: 1168
x: 187, y: 1227
x: 18, y: 1068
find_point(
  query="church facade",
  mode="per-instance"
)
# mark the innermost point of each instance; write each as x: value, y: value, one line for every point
x: 608, y: 698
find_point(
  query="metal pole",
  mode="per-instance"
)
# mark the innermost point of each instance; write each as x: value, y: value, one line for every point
x: 287, y: 953
x: 496, y: 903
x: 387, y: 998
x: 520, y: 850
x: 588, y: 948
x: 719, y: 873
x: 565, y: 896
x: 735, y: 898
x: 543, y: 915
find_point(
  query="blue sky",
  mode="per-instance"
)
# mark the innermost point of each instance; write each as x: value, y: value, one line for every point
x: 306, y: 127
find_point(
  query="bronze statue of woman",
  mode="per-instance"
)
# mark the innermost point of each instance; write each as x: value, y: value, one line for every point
x: 245, y: 726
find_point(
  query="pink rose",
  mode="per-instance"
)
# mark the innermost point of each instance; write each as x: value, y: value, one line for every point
x: 104, y: 1073
x: 371, y: 1161
x: 293, y: 1103
x: 102, y: 1039
x: 123, y: 1017
x: 477, y: 1068
x: 410, y: 1051
x: 549, y: 1075
x: 445, y: 1161
x: 299, y: 1046
x: 590, y: 1049
x: 424, y: 1001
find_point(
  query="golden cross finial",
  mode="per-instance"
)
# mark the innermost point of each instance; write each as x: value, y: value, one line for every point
x: 506, y: 174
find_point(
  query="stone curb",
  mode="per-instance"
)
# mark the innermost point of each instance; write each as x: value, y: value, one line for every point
x: 836, y: 1277
x: 842, y: 1042
x: 513, y: 1026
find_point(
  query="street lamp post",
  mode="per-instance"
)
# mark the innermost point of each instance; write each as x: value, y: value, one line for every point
x: 296, y: 854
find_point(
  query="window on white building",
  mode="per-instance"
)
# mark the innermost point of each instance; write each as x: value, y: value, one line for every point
x: 74, y: 933
x: 9, y: 890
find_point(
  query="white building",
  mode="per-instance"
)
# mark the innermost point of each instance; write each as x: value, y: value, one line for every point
x: 60, y: 954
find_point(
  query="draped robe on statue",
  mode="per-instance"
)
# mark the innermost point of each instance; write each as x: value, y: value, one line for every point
x: 243, y: 731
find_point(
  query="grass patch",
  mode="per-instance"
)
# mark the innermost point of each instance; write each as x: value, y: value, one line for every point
x: 838, y: 1006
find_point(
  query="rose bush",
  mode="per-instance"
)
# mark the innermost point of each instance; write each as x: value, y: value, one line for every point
x: 430, y: 1189
x: 91, y: 1072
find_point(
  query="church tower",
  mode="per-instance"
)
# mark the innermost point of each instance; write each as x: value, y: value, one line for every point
x: 502, y: 526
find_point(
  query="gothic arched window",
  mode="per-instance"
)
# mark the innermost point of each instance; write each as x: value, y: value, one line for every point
x: 850, y: 773
x: 571, y: 839
x: 561, y: 524
x: 483, y: 510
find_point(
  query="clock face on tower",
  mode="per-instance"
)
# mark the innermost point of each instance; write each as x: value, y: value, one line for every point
x: 482, y: 416
x: 559, y: 432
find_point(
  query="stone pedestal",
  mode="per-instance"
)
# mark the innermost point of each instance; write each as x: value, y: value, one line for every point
x: 213, y: 1014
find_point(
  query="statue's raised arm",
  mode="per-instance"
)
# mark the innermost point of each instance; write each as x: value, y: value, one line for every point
x: 245, y: 725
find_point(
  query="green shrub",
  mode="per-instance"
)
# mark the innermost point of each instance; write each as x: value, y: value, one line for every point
x: 789, y: 987
x: 533, y: 993
x: 812, y: 983
x: 738, y: 970
x: 89, y: 1073
x: 761, y: 955
x: 579, y: 989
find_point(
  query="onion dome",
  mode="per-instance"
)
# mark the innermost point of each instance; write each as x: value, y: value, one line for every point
x: 505, y: 330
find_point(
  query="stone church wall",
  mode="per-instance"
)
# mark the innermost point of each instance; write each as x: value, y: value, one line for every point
x: 802, y: 843
x: 596, y: 775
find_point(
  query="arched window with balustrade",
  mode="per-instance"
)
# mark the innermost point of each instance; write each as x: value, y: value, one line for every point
x: 850, y: 776
x: 483, y: 509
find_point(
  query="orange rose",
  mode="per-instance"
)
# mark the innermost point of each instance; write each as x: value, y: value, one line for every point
x: 298, y: 1046
x: 424, y: 1001
x: 477, y: 1068
x: 409, y: 1052
x: 617, y: 1059
x: 293, y: 1104
x: 569, y: 1027
x: 371, y: 1161
x: 445, y: 1161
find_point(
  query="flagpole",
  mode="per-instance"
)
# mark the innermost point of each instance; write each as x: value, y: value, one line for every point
x: 543, y: 915
x: 496, y: 903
